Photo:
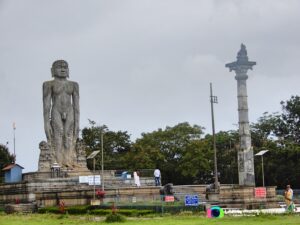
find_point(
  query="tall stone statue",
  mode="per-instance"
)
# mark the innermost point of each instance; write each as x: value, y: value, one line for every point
x: 61, y: 116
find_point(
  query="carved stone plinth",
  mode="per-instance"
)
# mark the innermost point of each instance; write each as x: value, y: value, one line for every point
x: 46, y: 159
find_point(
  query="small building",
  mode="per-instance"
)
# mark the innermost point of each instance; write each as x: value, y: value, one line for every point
x: 12, y: 173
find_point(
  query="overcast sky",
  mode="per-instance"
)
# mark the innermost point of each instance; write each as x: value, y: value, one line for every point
x: 144, y: 64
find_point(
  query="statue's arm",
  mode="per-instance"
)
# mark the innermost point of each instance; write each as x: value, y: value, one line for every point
x: 46, y: 109
x: 75, y: 101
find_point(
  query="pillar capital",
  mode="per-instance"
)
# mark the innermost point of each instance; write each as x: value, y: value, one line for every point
x: 242, y: 64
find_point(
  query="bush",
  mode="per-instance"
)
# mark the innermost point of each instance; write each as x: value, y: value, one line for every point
x: 126, y: 210
x: 77, y: 210
x: 100, y: 212
x: 52, y: 209
x: 134, y: 212
x: 186, y: 213
x: 115, y: 217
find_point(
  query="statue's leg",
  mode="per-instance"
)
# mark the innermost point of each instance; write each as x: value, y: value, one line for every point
x: 69, y: 130
x: 57, y: 126
x: 69, y: 140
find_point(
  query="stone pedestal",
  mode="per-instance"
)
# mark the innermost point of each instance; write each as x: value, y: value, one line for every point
x: 20, y: 208
x: 47, y: 160
x: 213, y: 196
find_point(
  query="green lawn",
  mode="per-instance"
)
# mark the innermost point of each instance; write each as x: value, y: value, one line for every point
x: 50, y: 219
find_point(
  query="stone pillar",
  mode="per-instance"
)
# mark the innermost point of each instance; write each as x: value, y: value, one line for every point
x: 245, y: 152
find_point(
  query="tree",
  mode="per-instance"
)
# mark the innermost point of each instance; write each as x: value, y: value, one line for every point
x: 170, y: 149
x: 280, y: 134
x: 289, y: 128
x: 227, y: 145
x: 115, y: 145
x: 5, y: 157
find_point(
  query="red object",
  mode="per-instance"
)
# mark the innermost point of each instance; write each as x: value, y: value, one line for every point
x: 62, y: 206
x: 260, y: 192
x: 169, y: 198
x: 113, y: 208
x: 100, y: 194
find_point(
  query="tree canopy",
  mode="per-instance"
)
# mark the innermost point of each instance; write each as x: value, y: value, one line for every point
x: 5, y: 157
x: 185, y: 155
x: 115, y: 145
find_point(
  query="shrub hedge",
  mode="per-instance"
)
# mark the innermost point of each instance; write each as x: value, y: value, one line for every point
x: 132, y: 210
x: 115, y: 217
x: 79, y: 210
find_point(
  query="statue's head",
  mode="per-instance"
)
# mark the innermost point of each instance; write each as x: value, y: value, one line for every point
x: 60, y: 69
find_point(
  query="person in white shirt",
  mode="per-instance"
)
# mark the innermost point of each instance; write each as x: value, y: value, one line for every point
x: 157, y: 177
x: 136, y: 178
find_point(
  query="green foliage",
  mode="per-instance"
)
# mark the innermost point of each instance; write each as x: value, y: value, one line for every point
x: 280, y: 134
x: 185, y: 157
x: 46, y: 219
x: 115, y: 145
x: 227, y: 144
x: 168, y: 149
x: 77, y: 210
x: 134, y: 212
x: 5, y: 158
x: 81, y: 210
x: 115, y: 217
x: 50, y: 209
x: 290, y: 125
x: 100, y: 212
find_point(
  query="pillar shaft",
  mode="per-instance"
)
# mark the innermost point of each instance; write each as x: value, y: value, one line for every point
x: 245, y: 152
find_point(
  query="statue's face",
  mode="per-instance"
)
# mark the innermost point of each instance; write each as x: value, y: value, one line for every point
x: 61, y: 70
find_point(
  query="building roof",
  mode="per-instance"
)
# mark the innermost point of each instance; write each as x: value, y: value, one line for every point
x: 10, y: 166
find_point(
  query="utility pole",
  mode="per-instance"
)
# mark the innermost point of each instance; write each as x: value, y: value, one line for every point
x: 14, y: 130
x: 102, y: 162
x: 214, y: 99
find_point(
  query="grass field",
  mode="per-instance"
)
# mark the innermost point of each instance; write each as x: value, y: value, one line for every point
x: 50, y: 219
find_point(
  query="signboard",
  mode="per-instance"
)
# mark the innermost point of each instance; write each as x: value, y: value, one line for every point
x: 191, y: 200
x: 97, y: 180
x: 260, y: 192
x: 83, y: 179
x: 169, y: 198
x: 134, y: 199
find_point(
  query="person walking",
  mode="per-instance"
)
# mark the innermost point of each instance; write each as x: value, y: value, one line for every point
x: 288, y: 198
x: 157, y: 177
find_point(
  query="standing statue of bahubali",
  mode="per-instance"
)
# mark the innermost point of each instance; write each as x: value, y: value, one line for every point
x: 61, y: 119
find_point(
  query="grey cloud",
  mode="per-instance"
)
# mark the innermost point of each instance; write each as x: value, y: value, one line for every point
x: 144, y: 64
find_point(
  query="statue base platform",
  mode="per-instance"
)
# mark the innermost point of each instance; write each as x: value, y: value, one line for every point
x: 43, y: 191
x: 34, y: 176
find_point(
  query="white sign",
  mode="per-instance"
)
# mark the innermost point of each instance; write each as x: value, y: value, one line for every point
x: 95, y: 178
x: 83, y: 179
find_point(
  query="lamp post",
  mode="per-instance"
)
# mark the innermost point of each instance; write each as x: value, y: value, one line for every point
x: 102, y: 162
x: 14, y: 128
x: 261, y: 153
x: 92, y: 156
x: 214, y: 99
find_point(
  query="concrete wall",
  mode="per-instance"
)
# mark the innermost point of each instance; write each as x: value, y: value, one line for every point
x: 50, y: 192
